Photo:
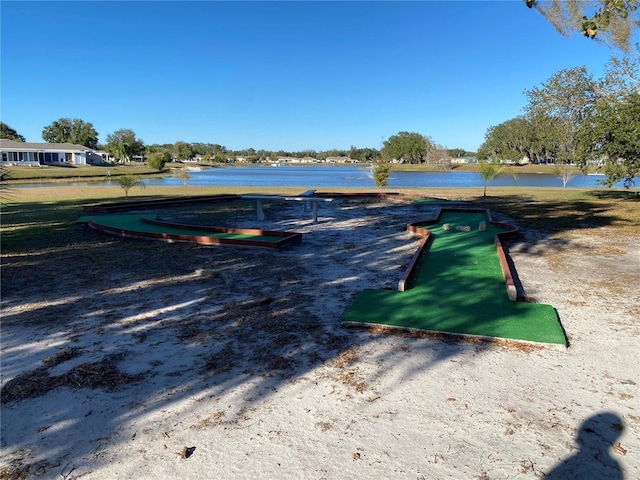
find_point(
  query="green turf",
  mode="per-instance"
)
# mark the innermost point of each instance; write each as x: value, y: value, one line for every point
x: 458, y: 288
x: 132, y: 222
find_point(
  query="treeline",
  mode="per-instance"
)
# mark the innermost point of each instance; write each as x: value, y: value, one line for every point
x: 575, y: 118
x: 125, y: 146
x: 220, y: 153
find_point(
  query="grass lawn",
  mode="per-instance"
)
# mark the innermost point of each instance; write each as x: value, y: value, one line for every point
x: 32, y: 218
x: 22, y: 173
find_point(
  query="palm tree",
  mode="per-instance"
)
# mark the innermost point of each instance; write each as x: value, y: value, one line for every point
x: 490, y: 171
x: 128, y: 181
x: 122, y: 151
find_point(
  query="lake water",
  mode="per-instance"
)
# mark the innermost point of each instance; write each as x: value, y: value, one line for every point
x: 327, y: 176
x: 358, y: 176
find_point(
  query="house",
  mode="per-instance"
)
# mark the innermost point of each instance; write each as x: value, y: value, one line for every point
x: 26, y: 153
x: 340, y: 159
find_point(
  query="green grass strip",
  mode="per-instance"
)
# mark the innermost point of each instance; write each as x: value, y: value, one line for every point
x: 432, y: 201
x: 458, y: 288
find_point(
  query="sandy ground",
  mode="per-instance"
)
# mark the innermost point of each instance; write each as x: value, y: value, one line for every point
x: 124, y: 359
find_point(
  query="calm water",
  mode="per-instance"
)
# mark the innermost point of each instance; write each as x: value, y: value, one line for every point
x: 349, y: 176
x: 358, y: 176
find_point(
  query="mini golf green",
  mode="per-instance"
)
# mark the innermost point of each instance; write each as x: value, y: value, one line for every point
x: 147, y: 226
x: 458, y: 287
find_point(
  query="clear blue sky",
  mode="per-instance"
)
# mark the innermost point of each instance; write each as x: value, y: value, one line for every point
x: 291, y: 75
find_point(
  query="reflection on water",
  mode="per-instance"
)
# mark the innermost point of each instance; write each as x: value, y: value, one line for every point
x: 347, y: 176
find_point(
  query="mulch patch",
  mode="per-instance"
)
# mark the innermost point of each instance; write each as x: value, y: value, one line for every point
x: 103, y: 374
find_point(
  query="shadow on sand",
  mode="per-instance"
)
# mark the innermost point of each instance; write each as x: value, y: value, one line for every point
x: 596, y: 437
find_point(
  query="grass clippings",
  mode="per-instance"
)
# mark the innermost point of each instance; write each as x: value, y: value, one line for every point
x: 16, y: 469
x: 103, y: 375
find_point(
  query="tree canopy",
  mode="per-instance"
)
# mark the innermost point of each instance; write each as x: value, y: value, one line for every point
x: 569, y: 94
x: 74, y: 131
x: 610, y: 21
x: 363, y: 154
x: 123, y: 144
x: 409, y: 147
x: 510, y: 140
x: 612, y: 136
x: 575, y: 118
x: 9, y: 133
x: 183, y: 151
x: 158, y: 160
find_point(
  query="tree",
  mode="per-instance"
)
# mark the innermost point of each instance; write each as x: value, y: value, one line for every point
x: 510, y: 140
x: 127, y: 182
x: 9, y: 133
x: 157, y: 160
x: 182, y: 151
x: 439, y: 157
x: 363, y: 154
x: 613, y: 136
x: 457, y: 152
x: 183, y: 175
x: 611, y: 21
x: 381, y: 173
x: 558, y: 108
x: 564, y: 173
x: 409, y: 147
x: 76, y: 131
x: 489, y: 172
x: 551, y: 139
x: 570, y: 94
x: 123, y: 144
x: 622, y: 74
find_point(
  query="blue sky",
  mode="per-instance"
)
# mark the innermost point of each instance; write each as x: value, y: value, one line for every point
x: 291, y: 75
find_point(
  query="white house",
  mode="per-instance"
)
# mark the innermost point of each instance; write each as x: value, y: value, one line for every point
x: 24, y: 153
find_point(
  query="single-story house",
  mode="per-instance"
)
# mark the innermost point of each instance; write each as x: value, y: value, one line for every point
x: 26, y: 153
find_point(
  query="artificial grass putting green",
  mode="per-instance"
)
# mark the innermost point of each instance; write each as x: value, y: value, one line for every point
x: 132, y: 222
x: 458, y: 288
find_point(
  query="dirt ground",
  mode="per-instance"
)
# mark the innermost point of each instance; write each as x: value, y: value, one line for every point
x: 135, y: 359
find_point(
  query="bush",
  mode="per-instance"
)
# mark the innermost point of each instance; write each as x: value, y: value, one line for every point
x: 157, y: 160
x: 381, y: 173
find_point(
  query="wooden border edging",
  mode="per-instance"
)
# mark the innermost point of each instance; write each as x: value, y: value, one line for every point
x: 287, y: 237
x: 151, y: 203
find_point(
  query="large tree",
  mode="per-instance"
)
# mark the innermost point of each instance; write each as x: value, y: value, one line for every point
x: 539, y: 138
x: 66, y: 130
x: 612, y: 136
x: 123, y: 144
x: 409, y: 147
x: 622, y: 74
x: 557, y: 109
x: 510, y: 140
x: 9, y: 133
x: 183, y: 150
x: 570, y: 94
x: 610, y: 21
